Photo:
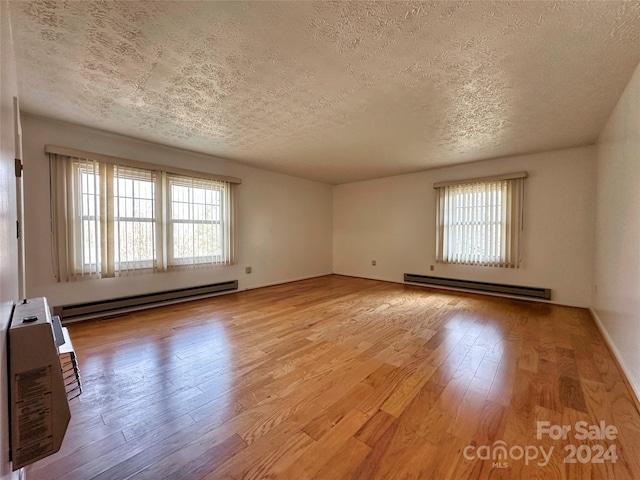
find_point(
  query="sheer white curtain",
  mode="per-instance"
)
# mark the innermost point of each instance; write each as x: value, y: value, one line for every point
x: 479, y: 222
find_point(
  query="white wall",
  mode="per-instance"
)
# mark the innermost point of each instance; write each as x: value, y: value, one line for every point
x: 8, y: 216
x: 284, y: 223
x: 617, y: 233
x: 392, y: 220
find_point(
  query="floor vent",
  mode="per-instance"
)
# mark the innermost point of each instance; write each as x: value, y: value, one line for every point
x: 529, y: 292
x: 83, y: 311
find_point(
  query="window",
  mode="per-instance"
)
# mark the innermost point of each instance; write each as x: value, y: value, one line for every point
x: 134, y: 217
x: 113, y: 219
x: 478, y: 221
x: 116, y: 212
x: 197, y: 224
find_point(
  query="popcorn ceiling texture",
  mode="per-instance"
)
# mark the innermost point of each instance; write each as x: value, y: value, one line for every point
x: 333, y: 91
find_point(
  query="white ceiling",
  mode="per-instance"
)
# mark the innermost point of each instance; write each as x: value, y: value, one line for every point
x: 332, y: 91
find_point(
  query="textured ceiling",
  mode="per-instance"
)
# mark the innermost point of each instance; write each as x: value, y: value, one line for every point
x: 333, y: 91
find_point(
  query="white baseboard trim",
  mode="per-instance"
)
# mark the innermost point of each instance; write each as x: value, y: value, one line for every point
x: 290, y: 280
x: 635, y: 388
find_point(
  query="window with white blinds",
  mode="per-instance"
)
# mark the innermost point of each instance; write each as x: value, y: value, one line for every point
x: 479, y: 221
x: 111, y: 219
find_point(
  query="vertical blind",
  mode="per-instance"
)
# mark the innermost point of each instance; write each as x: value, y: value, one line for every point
x: 111, y: 220
x: 479, y: 222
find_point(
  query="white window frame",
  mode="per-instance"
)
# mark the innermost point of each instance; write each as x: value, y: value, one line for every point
x: 220, y: 223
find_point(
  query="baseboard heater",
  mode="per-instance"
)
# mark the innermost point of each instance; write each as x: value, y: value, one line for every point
x: 82, y: 311
x: 529, y: 292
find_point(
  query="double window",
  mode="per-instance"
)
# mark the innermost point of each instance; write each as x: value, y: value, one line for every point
x: 478, y: 222
x: 111, y: 218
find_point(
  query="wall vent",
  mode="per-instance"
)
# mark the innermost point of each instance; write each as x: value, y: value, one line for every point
x: 83, y: 311
x: 529, y: 292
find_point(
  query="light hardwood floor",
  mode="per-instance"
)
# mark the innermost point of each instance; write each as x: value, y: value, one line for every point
x: 339, y: 377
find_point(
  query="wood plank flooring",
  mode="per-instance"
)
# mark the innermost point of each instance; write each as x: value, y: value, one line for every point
x: 345, y: 378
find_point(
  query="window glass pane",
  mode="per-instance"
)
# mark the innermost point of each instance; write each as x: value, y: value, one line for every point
x: 89, y: 242
x: 196, y: 240
x: 135, y: 241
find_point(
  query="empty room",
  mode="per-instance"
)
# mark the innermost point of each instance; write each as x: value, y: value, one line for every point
x: 320, y: 240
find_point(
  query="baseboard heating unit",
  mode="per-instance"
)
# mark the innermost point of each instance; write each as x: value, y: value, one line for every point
x: 82, y: 311
x: 528, y: 292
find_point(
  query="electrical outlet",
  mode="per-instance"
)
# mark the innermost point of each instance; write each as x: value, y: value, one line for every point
x: 247, y: 270
x: 431, y: 267
x: 373, y: 262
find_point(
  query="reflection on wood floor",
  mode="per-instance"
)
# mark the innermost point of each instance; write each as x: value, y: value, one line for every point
x: 338, y: 377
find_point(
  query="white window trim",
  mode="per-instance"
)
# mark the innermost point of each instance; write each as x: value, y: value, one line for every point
x: 172, y: 261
